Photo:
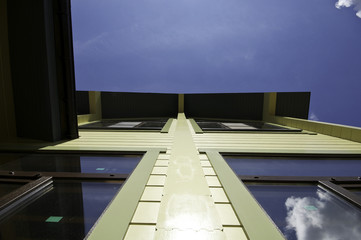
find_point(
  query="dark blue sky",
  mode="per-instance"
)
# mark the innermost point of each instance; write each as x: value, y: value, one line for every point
x: 200, y: 46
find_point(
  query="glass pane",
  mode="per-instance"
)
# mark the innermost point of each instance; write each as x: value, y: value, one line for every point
x: 117, y: 124
x: 124, y: 125
x: 251, y: 126
x: 240, y: 126
x: 8, y: 187
x: 308, y: 212
x: 67, y: 211
x: 152, y: 124
x: 96, y: 125
x: 294, y: 167
x: 211, y: 126
x: 123, y: 164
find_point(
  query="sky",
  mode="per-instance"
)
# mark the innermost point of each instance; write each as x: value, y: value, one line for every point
x: 224, y: 46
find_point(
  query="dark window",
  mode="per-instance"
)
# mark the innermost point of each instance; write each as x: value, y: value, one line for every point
x: 294, y: 166
x: 152, y: 124
x: 213, y: 125
x: 127, y: 124
x: 57, y: 196
x: 65, y: 210
x: 121, y: 164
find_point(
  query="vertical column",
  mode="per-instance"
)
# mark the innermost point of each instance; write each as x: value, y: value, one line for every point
x: 180, y: 103
x: 95, y: 105
x: 186, y: 209
x: 269, y: 105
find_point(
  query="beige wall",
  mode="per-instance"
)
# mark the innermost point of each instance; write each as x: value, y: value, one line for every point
x: 95, y: 108
x: 334, y: 130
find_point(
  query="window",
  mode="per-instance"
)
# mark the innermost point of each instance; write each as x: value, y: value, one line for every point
x: 232, y: 125
x: 78, y: 189
x: 65, y: 210
x: 308, y: 211
x: 295, y: 166
x: 156, y: 124
x: 69, y: 163
x: 306, y: 197
x: 16, y: 189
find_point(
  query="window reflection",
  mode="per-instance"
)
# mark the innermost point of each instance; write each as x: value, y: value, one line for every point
x: 66, y: 211
x: 118, y: 124
x: 213, y: 125
x: 293, y: 167
x: 308, y: 212
x: 96, y: 197
x: 122, y: 164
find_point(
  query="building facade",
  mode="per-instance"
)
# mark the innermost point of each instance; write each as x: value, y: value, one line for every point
x: 199, y: 177
x: 159, y: 166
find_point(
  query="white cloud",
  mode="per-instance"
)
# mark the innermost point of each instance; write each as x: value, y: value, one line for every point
x: 322, y: 218
x: 313, y: 117
x: 92, y: 46
x: 349, y: 3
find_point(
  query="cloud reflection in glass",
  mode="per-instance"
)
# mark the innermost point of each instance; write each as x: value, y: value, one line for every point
x: 309, y: 212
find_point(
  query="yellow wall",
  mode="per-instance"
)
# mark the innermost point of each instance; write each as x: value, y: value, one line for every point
x: 277, y: 143
x: 184, y: 198
x: 183, y: 176
x: 335, y: 130
x: 95, y: 108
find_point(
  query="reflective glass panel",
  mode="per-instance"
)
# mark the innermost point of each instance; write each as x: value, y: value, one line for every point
x: 124, y: 124
x: 239, y: 126
x: 293, y: 167
x: 152, y: 124
x: 308, y: 212
x: 117, y: 124
x: 208, y: 125
x: 123, y: 164
x: 211, y: 125
x: 66, y: 211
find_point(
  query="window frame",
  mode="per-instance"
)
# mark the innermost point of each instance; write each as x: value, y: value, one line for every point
x: 249, y: 211
x: 15, y: 198
x: 331, y: 183
x: 74, y: 175
x: 164, y: 129
x: 286, y: 129
x: 125, y: 200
